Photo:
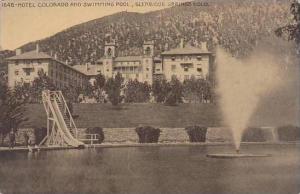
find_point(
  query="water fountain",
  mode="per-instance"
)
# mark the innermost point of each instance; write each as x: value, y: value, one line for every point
x: 242, y: 83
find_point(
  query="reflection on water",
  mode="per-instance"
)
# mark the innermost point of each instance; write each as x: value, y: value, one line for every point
x: 138, y: 170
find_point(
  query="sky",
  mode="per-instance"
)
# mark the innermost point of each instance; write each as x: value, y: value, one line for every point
x: 19, y: 26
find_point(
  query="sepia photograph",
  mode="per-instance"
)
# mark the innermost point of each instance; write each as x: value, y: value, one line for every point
x: 149, y: 96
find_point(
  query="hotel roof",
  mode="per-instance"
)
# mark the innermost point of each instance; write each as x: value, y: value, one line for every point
x: 90, y: 70
x: 188, y: 50
x: 31, y: 55
x: 39, y: 55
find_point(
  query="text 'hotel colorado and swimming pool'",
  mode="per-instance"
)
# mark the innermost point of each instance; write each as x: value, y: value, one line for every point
x: 11, y: 4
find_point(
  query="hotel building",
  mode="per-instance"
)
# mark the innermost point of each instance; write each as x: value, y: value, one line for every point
x: 186, y: 62
x: 25, y: 67
x: 131, y: 67
x: 183, y: 63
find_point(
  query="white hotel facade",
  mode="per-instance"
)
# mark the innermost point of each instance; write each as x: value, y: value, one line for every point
x: 183, y: 63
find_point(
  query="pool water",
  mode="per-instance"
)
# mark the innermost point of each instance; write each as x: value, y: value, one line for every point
x: 150, y: 170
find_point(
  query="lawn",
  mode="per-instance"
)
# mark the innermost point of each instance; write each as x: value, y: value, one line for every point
x: 132, y: 115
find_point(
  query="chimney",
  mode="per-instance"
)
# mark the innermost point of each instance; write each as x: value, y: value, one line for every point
x: 18, y: 51
x: 37, y: 48
x: 181, y: 43
x: 55, y: 56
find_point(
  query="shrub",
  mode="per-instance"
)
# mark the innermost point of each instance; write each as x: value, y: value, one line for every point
x: 289, y: 133
x: 253, y: 135
x: 39, y: 134
x: 96, y: 130
x: 196, y: 133
x: 148, y: 134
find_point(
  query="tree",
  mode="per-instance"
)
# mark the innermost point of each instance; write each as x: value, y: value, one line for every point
x: 136, y: 91
x: 11, y: 108
x: 71, y: 93
x: 99, y: 85
x: 42, y: 82
x: 292, y: 30
x: 197, y: 90
x: 113, y: 88
x: 22, y: 92
x: 160, y: 90
x: 175, y: 92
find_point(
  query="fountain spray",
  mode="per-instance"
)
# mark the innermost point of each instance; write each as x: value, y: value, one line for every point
x: 241, y: 86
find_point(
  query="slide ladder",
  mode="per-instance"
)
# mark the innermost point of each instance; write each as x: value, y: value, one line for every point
x: 61, y: 128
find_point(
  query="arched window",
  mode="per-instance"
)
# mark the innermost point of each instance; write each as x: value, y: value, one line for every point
x: 148, y: 51
x: 109, y: 52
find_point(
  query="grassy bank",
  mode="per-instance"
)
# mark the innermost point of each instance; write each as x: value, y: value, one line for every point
x: 132, y: 115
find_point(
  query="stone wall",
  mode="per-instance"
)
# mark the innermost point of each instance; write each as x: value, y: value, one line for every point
x: 172, y: 135
x: 120, y: 135
x: 218, y: 134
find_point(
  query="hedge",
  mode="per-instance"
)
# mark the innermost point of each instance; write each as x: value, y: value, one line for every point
x: 148, y: 134
x: 196, y: 133
x: 253, y: 134
x: 288, y: 133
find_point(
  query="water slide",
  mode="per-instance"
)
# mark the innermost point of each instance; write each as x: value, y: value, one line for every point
x: 60, y: 133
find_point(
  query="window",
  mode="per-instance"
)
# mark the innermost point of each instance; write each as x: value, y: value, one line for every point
x: 173, y: 67
x: 173, y: 58
x: 186, y: 69
x: 147, y: 69
x: 148, y: 51
x: 39, y: 62
x: 16, y: 72
x: 109, y: 52
x: 199, y: 58
x: 26, y: 85
x: 28, y: 71
x: 199, y: 69
x: 16, y: 62
x: 186, y: 77
x: 146, y: 76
